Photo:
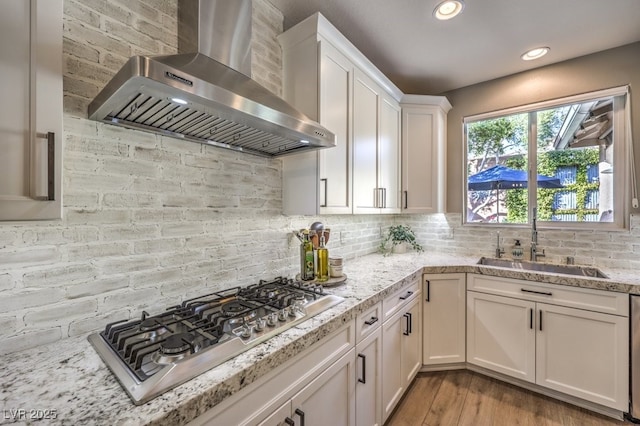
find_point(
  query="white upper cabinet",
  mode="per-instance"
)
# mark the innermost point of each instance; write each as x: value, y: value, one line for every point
x: 424, y: 139
x: 31, y: 121
x: 376, y: 148
x: 319, y: 67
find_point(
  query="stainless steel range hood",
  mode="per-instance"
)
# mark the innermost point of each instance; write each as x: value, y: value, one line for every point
x: 206, y: 95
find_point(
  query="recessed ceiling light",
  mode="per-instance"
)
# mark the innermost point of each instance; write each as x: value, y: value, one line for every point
x: 448, y: 9
x: 536, y: 53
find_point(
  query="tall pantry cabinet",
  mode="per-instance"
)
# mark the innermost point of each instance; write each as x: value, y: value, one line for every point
x: 31, y: 116
x: 319, y: 73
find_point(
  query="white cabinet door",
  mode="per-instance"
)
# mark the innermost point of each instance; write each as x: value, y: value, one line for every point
x: 376, y: 148
x: 389, y: 155
x: 412, y: 342
x: 501, y: 335
x: 365, y: 145
x: 424, y: 123
x: 369, y: 380
x: 335, y: 96
x: 318, y: 81
x: 330, y: 398
x: 584, y: 354
x: 401, y: 353
x: 392, y: 381
x: 444, y: 312
x: 31, y: 116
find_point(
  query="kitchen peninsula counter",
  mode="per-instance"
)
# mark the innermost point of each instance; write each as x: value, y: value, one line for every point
x: 67, y: 383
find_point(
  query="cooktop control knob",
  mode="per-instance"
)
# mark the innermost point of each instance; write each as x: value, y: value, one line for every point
x: 283, y: 314
x: 272, y: 320
x: 245, y: 332
x: 260, y: 324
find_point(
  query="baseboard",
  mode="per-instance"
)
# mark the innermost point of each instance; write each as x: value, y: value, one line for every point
x: 591, y: 406
x: 444, y: 367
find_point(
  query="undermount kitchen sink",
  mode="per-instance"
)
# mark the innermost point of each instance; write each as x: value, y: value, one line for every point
x: 583, y: 271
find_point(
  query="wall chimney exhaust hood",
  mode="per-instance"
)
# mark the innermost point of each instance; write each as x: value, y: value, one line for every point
x: 207, y: 95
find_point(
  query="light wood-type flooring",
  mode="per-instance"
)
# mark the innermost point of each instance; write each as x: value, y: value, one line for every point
x: 466, y: 398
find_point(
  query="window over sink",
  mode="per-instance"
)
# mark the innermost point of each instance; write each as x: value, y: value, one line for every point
x: 567, y: 157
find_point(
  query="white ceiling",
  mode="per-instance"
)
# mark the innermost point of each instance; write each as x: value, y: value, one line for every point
x: 422, y: 55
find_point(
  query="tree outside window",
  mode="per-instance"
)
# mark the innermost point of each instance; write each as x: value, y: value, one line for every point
x: 574, y: 149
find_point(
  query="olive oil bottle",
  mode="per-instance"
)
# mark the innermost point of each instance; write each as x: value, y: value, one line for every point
x: 323, y: 261
x: 307, y: 272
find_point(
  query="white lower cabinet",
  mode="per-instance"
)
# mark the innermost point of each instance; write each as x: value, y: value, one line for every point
x: 579, y: 352
x: 401, y: 352
x: 500, y: 336
x: 316, y: 387
x: 368, y: 380
x: 327, y: 400
x: 584, y: 354
x: 444, y: 313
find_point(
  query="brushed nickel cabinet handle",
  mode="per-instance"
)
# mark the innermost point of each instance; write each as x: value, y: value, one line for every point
x: 51, y: 165
x: 326, y: 184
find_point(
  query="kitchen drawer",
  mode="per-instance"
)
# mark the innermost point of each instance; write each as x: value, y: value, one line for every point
x: 395, y: 301
x: 607, y: 302
x: 368, y: 321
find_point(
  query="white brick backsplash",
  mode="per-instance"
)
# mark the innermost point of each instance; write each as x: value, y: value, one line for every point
x: 59, y: 275
x: 30, y: 256
x: 60, y: 313
x: 93, y: 251
x: 181, y: 229
x: 95, y: 323
x: 78, y: 143
x: 129, y: 232
x: 7, y: 238
x: 97, y: 217
x: 156, y: 216
x: 160, y: 186
x: 156, y: 155
x: 97, y: 287
x: 99, y: 183
x: 128, y: 199
x: 133, y: 168
x: 134, y: 299
x: 6, y: 282
x: 155, y: 278
x: 158, y: 245
x: 29, y: 298
x: 179, y: 259
x: 28, y: 340
x: 128, y: 264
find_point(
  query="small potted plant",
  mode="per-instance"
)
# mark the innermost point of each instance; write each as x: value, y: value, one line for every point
x: 400, y: 237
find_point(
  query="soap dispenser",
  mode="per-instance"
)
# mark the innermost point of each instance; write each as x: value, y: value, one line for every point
x: 517, y: 251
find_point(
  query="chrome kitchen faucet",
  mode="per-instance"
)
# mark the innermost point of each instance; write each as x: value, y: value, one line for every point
x: 534, y: 237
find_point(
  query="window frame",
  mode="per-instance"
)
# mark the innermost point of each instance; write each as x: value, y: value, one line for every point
x: 621, y: 104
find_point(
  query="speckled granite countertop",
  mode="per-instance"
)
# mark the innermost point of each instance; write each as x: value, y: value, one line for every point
x: 69, y: 379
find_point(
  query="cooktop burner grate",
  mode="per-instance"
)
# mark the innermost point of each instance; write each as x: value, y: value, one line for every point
x: 187, y: 339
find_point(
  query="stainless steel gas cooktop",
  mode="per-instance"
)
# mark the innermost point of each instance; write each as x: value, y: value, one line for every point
x: 155, y: 353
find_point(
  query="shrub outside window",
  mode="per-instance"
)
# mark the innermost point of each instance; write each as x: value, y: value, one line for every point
x: 566, y: 157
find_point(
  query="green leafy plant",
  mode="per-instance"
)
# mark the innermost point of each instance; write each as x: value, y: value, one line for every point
x: 397, y: 235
